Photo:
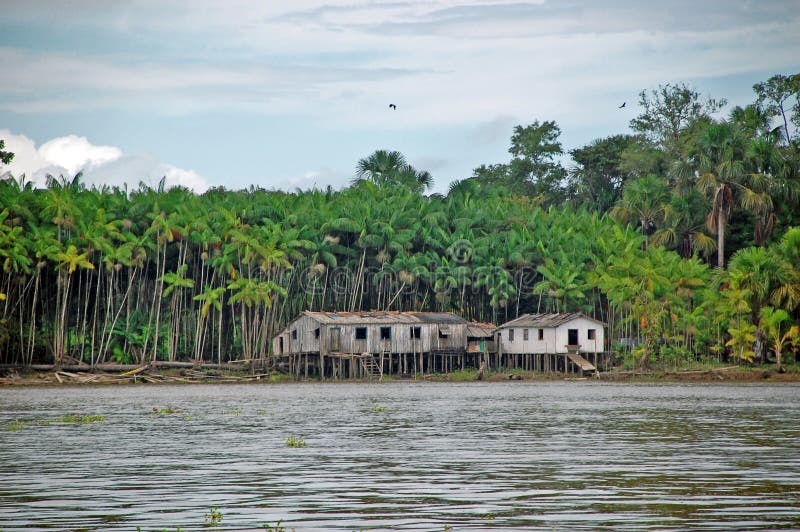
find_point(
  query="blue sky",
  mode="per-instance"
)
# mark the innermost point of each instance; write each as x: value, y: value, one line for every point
x: 292, y: 94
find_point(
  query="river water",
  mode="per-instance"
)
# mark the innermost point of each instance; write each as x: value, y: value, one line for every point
x: 407, y: 456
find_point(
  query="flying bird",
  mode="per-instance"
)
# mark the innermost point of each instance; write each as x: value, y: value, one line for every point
x: 392, y: 106
x: 621, y: 106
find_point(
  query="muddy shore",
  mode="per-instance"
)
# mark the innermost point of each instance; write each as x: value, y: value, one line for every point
x: 159, y: 374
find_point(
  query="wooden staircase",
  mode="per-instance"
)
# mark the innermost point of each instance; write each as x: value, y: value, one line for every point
x: 582, y: 363
x: 371, y: 368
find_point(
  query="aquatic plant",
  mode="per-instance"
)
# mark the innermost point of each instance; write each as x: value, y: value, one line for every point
x: 295, y: 441
x: 214, y: 517
x: 79, y: 419
x: 15, y: 425
x: 377, y: 409
x: 169, y: 409
x: 260, y: 412
x: 277, y: 528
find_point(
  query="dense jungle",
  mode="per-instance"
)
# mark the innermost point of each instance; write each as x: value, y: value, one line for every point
x: 682, y: 235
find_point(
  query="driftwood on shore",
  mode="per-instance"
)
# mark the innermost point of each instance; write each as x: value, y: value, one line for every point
x: 118, y: 373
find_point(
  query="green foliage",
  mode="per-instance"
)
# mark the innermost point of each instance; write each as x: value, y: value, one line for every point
x: 15, y: 425
x: 79, y: 419
x: 167, y: 410
x: 741, y: 342
x: 5, y: 156
x: 213, y: 517
x: 627, y: 236
x: 295, y: 442
x: 278, y: 527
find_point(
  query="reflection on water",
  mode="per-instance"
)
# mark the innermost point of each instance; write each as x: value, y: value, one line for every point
x: 547, y: 456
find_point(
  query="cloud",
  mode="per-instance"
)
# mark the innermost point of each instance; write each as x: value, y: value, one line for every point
x: 76, y: 153
x: 101, y: 165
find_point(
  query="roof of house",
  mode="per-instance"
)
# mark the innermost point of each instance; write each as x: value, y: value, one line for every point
x: 545, y: 321
x: 480, y: 330
x: 385, y: 317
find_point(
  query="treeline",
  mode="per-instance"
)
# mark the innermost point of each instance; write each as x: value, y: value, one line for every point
x: 635, y: 233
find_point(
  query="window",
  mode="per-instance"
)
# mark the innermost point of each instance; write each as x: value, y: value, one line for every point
x: 511, y: 335
x: 541, y: 334
x: 361, y: 333
x: 294, y: 334
x: 316, y: 333
x: 525, y: 335
x: 416, y: 333
x: 386, y: 333
x: 591, y: 334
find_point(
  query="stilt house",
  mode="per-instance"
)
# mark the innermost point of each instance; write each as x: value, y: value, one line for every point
x: 342, y: 344
x: 536, y: 339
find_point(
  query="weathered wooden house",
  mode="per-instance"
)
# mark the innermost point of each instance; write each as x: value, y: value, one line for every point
x: 480, y: 338
x: 357, y: 344
x: 551, y: 342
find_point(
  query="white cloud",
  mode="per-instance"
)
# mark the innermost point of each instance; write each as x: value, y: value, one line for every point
x: 76, y: 153
x: 101, y: 165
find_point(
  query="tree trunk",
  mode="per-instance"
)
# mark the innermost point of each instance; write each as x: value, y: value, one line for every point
x: 721, y: 238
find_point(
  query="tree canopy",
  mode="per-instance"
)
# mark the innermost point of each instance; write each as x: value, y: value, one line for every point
x: 683, y: 237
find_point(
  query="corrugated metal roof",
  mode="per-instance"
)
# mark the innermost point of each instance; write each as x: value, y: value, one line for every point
x: 480, y: 330
x: 385, y: 317
x: 545, y: 321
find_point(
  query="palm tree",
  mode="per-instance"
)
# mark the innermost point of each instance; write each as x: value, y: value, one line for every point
x: 772, y: 323
x: 644, y: 202
x: 69, y: 261
x: 390, y: 168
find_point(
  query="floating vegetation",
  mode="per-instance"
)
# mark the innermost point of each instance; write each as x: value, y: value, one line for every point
x: 295, y: 441
x: 260, y: 412
x: 15, y: 425
x: 377, y: 409
x: 277, y: 528
x: 234, y: 412
x: 214, y: 517
x: 488, y: 517
x: 79, y: 419
x: 169, y: 409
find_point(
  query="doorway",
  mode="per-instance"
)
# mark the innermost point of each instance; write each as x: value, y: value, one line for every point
x: 572, y: 336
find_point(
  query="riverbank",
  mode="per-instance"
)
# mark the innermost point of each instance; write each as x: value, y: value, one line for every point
x: 186, y: 373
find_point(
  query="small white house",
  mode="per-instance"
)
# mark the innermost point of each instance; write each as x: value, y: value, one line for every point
x: 551, y: 334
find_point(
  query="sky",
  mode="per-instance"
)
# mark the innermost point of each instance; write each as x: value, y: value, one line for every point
x: 291, y: 94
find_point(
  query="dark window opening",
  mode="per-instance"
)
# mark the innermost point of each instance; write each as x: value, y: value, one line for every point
x: 591, y: 334
x: 386, y: 333
x: 294, y: 334
x: 511, y: 335
x: 316, y: 333
x: 525, y: 335
x: 572, y: 336
x: 280, y: 345
x: 361, y: 333
x: 416, y: 333
x: 541, y: 334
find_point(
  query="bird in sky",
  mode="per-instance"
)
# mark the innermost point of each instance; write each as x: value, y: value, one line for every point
x: 392, y: 106
x: 621, y: 106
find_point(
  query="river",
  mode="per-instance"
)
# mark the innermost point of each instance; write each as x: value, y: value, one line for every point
x: 406, y: 455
